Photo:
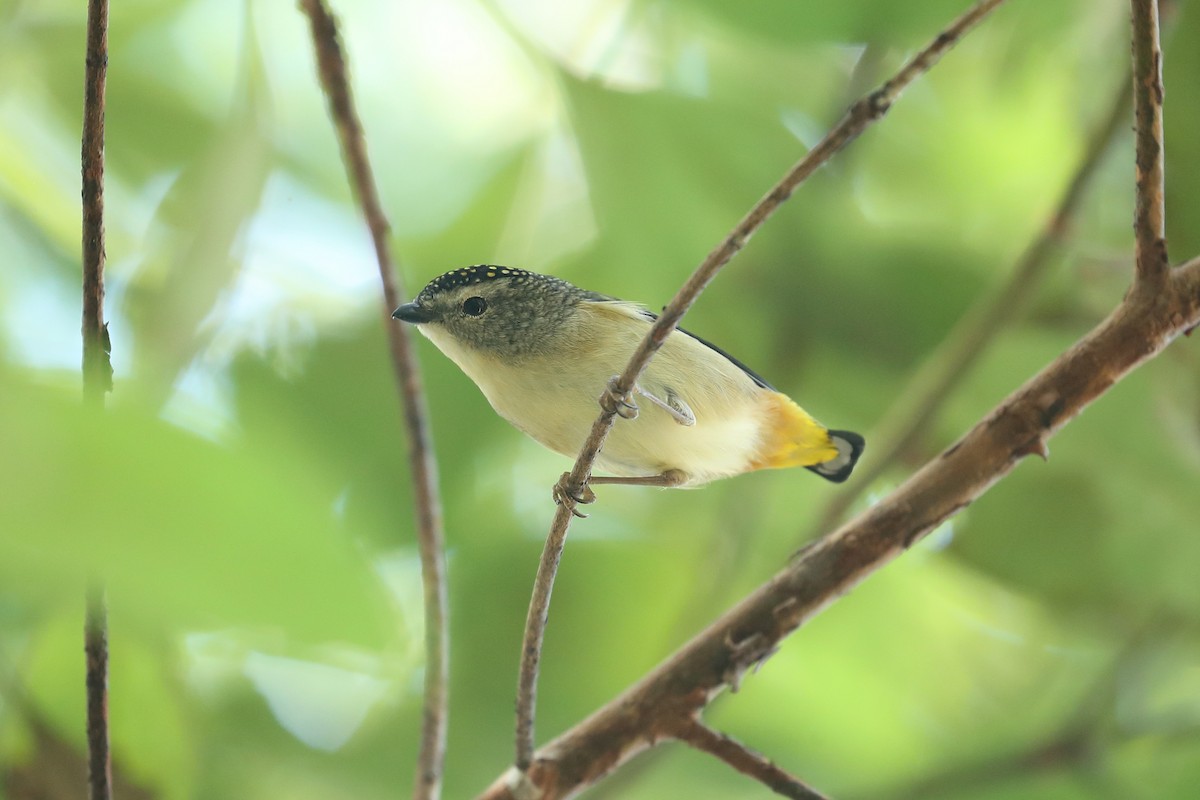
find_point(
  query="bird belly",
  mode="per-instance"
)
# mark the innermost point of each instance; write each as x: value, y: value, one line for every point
x: 724, y: 441
x: 715, y: 447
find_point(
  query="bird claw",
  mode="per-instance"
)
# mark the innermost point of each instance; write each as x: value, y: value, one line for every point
x: 564, y: 496
x: 617, y: 402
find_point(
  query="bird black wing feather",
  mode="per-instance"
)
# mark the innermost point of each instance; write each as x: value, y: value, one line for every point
x: 751, y: 374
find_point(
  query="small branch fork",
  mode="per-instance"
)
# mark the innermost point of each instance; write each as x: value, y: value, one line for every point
x: 97, y: 376
x: 860, y: 116
x: 332, y: 69
x: 657, y: 707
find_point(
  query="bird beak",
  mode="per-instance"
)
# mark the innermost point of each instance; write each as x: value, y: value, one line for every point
x: 411, y: 312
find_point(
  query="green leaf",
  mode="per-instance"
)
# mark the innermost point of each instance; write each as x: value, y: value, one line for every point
x: 185, y: 533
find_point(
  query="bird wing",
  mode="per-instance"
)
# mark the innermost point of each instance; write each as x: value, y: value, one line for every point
x: 650, y: 316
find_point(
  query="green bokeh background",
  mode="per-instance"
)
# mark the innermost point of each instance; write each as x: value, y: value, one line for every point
x: 246, y: 496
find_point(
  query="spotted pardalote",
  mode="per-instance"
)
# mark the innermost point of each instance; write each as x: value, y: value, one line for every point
x: 542, y: 351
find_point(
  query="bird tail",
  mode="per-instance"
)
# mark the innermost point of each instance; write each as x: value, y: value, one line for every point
x: 849, y: 448
x: 795, y: 439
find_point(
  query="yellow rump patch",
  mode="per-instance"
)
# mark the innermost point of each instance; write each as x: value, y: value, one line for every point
x: 792, y: 438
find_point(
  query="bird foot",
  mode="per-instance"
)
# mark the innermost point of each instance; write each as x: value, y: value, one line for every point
x: 566, y: 495
x: 617, y: 402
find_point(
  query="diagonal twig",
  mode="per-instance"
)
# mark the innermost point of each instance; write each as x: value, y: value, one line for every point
x: 695, y: 733
x: 1149, y: 220
x: 919, y: 403
x: 97, y: 376
x: 864, y: 112
x: 332, y: 69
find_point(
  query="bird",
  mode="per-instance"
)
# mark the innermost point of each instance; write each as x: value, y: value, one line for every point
x: 543, y: 350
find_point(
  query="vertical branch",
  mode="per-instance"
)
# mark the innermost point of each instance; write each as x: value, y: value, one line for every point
x: 331, y: 66
x: 95, y: 648
x: 97, y: 371
x: 1149, y: 219
x: 97, y: 375
x: 535, y: 625
x: 861, y: 115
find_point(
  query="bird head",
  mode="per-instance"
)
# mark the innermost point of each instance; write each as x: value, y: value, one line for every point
x: 500, y: 311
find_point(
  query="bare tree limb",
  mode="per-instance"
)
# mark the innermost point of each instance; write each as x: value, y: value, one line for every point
x: 1149, y: 221
x: 689, y: 680
x: 332, y: 68
x: 97, y: 375
x: 862, y: 114
x: 919, y: 403
x: 700, y: 736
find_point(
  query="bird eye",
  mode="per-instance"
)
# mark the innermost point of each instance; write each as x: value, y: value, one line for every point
x: 474, y: 306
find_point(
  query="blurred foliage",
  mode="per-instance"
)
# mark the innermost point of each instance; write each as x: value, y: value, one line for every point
x: 246, y: 496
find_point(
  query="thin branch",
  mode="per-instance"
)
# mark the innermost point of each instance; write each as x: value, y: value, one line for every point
x: 867, y: 69
x: 919, y: 403
x: 97, y: 374
x: 735, y: 754
x: 861, y: 115
x: 747, y: 634
x: 95, y: 647
x: 97, y: 368
x: 1149, y: 220
x: 332, y: 68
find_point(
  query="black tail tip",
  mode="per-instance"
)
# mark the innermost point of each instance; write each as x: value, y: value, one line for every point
x: 850, y: 447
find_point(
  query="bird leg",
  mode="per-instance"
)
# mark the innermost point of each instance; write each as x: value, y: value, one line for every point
x: 673, y: 405
x: 564, y: 495
x: 668, y: 479
x: 622, y: 404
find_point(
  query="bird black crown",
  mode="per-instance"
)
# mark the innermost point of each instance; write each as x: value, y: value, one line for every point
x: 479, y: 273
